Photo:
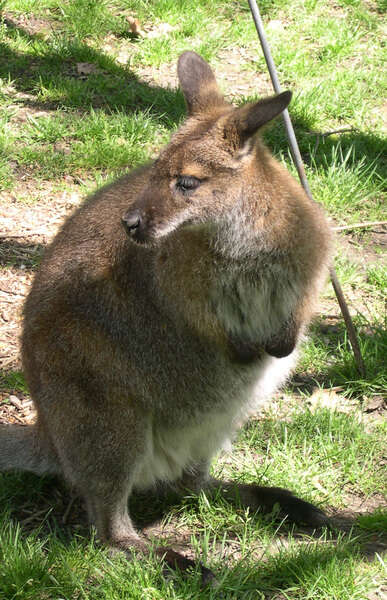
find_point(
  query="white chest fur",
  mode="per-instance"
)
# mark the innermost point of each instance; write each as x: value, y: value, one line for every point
x: 169, y: 452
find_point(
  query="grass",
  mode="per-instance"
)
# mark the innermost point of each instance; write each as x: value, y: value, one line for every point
x: 75, y: 570
x: 46, y: 67
x: 76, y: 108
x: 322, y: 454
x: 327, y: 352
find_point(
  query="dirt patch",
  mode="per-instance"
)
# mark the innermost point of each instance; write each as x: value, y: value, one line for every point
x: 29, y: 25
x: 16, y: 409
x: 25, y: 230
x: 364, y: 246
x: 235, y: 74
x: 13, y: 290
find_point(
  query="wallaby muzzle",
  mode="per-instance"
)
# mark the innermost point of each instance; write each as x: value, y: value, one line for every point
x: 131, y: 222
x: 134, y: 224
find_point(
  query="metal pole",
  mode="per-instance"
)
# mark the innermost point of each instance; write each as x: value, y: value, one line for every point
x: 296, y: 156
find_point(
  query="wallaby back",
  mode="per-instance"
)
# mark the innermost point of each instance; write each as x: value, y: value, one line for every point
x: 168, y: 304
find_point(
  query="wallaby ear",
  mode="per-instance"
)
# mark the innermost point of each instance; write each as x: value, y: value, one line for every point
x: 245, y: 121
x: 198, y: 83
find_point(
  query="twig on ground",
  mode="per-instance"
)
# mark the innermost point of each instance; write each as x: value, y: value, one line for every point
x: 9, y: 292
x: 36, y: 514
x: 327, y: 133
x: 359, y: 225
x: 5, y: 236
x: 68, y: 509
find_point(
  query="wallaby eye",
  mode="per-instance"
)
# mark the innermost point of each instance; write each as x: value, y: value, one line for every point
x: 187, y: 183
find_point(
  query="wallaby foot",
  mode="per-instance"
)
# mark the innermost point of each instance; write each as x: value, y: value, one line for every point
x: 115, y: 528
x: 100, y: 463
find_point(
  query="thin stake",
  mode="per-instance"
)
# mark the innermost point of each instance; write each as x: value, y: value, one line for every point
x: 296, y: 156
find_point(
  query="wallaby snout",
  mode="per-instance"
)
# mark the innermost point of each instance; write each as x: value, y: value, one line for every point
x: 143, y: 218
x: 132, y: 222
x: 142, y: 223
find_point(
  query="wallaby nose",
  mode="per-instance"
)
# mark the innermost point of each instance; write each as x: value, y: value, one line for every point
x: 131, y: 222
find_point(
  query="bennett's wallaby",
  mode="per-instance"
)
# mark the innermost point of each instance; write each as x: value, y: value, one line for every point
x: 167, y: 306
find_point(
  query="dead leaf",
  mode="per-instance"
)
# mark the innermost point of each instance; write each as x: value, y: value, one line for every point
x: 374, y: 403
x: 316, y: 483
x: 84, y: 68
x: 16, y: 402
x: 276, y: 25
x: 123, y: 57
x: 135, y: 27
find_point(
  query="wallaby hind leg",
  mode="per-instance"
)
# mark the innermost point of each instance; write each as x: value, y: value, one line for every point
x: 257, y: 497
x: 115, y: 528
x: 99, y: 451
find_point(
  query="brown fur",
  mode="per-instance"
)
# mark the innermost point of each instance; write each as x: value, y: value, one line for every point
x: 141, y: 354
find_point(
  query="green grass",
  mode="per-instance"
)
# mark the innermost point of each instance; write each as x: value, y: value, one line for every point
x: 81, y: 571
x: 59, y: 124
x: 327, y: 355
x: 321, y: 454
x: 12, y: 380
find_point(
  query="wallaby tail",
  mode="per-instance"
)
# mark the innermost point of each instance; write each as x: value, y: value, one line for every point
x: 21, y: 449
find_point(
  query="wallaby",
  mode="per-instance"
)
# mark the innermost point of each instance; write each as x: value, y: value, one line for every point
x: 166, y: 307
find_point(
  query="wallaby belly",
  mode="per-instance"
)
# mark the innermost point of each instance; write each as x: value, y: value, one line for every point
x: 172, y: 450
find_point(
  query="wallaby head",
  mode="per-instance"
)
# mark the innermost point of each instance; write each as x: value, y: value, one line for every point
x: 200, y: 176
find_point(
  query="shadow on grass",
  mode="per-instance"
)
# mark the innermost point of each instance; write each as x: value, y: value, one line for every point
x: 339, y: 368
x: 368, y: 149
x: 53, y: 68
x: 41, y: 505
